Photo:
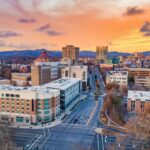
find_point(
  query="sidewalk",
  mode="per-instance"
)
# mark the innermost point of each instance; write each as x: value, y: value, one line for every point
x: 57, y: 121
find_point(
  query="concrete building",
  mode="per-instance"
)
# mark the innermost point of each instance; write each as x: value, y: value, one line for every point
x: 142, y: 81
x: 79, y: 72
x: 146, y: 62
x: 118, y: 77
x: 70, y: 53
x: 5, y: 81
x: 40, y: 74
x: 101, y: 54
x: 44, y: 72
x: 141, y: 72
x: 69, y: 90
x: 139, y: 101
x: 21, y: 79
x: 32, y: 105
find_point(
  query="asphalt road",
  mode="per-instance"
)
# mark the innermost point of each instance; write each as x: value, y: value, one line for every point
x: 76, y: 131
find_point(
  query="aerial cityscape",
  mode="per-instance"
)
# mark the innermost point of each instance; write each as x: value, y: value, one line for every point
x: 75, y: 75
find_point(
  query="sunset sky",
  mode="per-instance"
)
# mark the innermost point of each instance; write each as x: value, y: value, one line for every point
x: 123, y: 25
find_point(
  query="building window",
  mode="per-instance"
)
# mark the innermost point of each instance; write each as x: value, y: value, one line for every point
x: 66, y: 73
x: 7, y: 95
x: 83, y: 75
x: 19, y: 119
x: 74, y: 75
x: 142, y: 106
x: 132, y: 105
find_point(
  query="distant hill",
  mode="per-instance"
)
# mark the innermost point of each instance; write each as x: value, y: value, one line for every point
x: 37, y: 52
x: 116, y: 54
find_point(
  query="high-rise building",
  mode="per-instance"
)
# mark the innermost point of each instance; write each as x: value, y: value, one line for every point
x: 101, y: 54
x: 40, y: 74
x: 70, y: 53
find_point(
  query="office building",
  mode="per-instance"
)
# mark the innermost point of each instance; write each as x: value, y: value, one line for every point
x: 143, y: 82
x: 44, y: 72
x: 69, y: 90
x: 70, y: 53
x: 139, y: 101
x: 101, y: 54
x: 141, y: 72
x: 79, y: 72
x: 118, y: 77
x: 28, y: 105
x: 21, y: 79
x: 40, y: 74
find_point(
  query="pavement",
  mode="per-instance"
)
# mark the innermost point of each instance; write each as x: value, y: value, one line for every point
x: 75, y: 132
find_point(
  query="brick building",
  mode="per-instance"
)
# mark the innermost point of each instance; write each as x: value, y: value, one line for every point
x: 31, y: 105
x: 139, y: 101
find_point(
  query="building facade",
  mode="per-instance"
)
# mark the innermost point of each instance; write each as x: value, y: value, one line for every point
x: 70, y: 53
x: 139, y: 101
x: 118, y: 77
x: 40, y: 74
x: 20, y: 79
x: 32, y: 105
x: 142, y: 81
x: 141, y: 72
x: 69, y: 90
x: 79, y: 72
x: 45, y: 72
x: 101, y: 54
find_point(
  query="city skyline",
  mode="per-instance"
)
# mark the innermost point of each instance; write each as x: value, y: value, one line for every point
x: 122, y: 25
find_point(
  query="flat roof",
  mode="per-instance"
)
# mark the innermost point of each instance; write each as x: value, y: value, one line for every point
x: 142, y: 95
x: 62, y: 83
x: 119, y: 73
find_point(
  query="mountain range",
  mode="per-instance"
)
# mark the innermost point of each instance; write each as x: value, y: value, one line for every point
x: 37, y: 52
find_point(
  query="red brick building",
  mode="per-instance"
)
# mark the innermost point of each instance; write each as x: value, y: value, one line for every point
x: 139, y: 101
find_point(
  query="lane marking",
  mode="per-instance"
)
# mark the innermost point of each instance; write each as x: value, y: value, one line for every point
x: 35, y: 142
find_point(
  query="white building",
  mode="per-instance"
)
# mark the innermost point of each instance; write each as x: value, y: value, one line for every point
x: 69, y: 90
x: 31, y: 105
x: 117, y: 77
x: 78, y: 72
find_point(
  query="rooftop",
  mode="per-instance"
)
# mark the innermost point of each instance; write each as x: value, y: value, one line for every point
x: 62, y: 83
x: 118, y: 73
x: 142, y: 95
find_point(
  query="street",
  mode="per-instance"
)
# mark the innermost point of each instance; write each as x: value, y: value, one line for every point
x: 77, y: 130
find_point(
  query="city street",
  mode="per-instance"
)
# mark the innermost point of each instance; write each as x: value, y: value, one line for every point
x: 77, y: 130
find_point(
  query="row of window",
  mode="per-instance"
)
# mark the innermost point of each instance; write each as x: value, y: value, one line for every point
x: 10, y: 95
x: 119, y: 78
x: 133, y: 105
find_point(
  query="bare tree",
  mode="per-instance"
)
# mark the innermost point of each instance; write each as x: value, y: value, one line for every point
x: 138, y: 132
x: 5, y: 139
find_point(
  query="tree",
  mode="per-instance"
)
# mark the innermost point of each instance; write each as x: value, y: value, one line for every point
x: 5, y: 138
x: 138, y: 132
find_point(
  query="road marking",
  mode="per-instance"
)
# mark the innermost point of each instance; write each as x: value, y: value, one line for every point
x: 92, y: 114
x: 97, y: 141
x: 45, y: 140
x: 102, y: 142
x: 35, y: 142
